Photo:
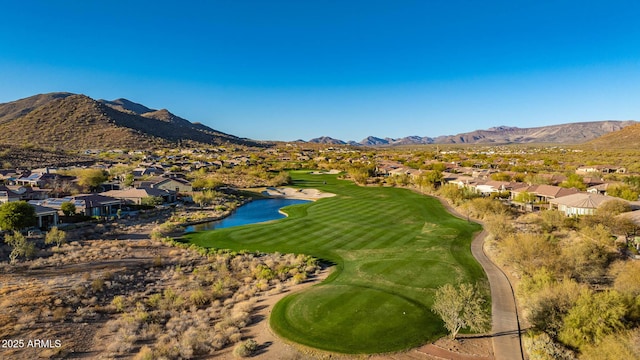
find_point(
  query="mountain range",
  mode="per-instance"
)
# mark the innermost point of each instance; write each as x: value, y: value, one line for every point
x: 571, y: 133
x: 76, y: 122
x: 69, y: 121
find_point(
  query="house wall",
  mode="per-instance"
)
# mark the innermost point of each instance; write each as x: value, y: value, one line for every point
x: 573, y: 211
x: 173, y: 185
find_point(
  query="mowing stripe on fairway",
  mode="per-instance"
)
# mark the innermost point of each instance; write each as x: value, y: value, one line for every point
x: 392, y: 248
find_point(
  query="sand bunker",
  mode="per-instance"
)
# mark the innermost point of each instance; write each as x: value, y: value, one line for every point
x: 330, y: 172
x: 291, y: 193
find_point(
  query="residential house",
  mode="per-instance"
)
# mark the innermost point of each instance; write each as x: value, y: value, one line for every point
x: 601, y: 169
x: 43, y: 179
x: 135, y: 195
x: 147, y: 171
x: 492, y: 186
x: 8, y: 195
x: 175, y: 184
x: 592, y: 181
x: 29, y: 193
x: 46, y: 216
x: 580, y: 203
x: 405, y: 171
x: 543, y: 193
x: 35, y: 179
x: 10, y: 176
x: 601, y: 188
x: 86, y: 204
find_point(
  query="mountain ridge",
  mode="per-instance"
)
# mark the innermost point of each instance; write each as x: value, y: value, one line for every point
x: 568, y: 133
x: 76, y: 121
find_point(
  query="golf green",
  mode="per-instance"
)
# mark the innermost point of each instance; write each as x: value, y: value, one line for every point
x: 391, y: 249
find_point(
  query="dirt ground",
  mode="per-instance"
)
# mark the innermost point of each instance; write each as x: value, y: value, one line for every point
x: 40, y: 318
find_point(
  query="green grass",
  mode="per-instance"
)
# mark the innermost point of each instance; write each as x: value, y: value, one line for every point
x: 392, y: 249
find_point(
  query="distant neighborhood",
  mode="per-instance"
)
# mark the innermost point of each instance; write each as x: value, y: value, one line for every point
x: 159, y: 179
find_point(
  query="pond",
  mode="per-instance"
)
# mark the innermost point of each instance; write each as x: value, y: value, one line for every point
x: 254, y: 212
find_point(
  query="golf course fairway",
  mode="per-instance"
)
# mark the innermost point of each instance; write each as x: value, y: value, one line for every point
x: 391, y: 248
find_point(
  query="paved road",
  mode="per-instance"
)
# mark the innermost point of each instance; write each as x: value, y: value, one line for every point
x: 505, y: 329
x: 504, y: 314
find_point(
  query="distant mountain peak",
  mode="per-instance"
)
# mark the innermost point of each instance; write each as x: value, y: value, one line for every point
x: 502, y: 128
x: 125, y: 105
x: 327, y: 140
x: 374, y: 141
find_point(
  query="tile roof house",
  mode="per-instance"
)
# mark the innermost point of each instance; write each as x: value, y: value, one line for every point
x: 580, y: 203
x: 492, y: 186
x: 601, y: 188
x: 544, y: 193
x: 176, y: 184
x: 135, y: 195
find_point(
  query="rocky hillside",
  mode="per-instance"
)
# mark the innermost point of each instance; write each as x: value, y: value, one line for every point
x: 15, y: 109
x: 12, y: 157
x: 573, y: 133
x: 77, y: 122
x: 626, y: 138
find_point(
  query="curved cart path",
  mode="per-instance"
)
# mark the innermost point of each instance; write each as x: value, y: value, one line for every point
x: 504, y: 313
x: 505, y: 329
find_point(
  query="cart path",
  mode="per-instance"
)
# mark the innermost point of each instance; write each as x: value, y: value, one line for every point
x: 504, y: 313
x: 505, y: 329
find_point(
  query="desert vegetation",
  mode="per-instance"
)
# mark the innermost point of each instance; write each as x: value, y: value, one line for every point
x: 154, y: 300
x: 570, y: 274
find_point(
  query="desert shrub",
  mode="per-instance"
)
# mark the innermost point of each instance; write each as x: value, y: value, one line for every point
x: 528, y: 252
x: 56, y: 236
x: 500, y: 226
x: 246, y: 348
x: 614, y: 347
x: 598, y: 233
x: 193, y: 343
x: 145, y: 353
x: 586, y: 260
x: 592, y: 318
x: 299, y: 278
x: 543, y: 347
x: 119, y: 303
x: 219, y: 341
x: 60, y: 313
x: 199, y: 298
x: 97, y: 285
x: 546, y: 308
x: 552, y: 220
x: 537, y: 281
x: 626, y: 276
x: 481, y: 208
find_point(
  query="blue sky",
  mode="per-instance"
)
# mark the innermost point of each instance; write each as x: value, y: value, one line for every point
x: 284, y: 70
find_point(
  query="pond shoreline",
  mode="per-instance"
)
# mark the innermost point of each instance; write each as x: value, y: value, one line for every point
x: 248, y: 213
x: 264, y: 193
